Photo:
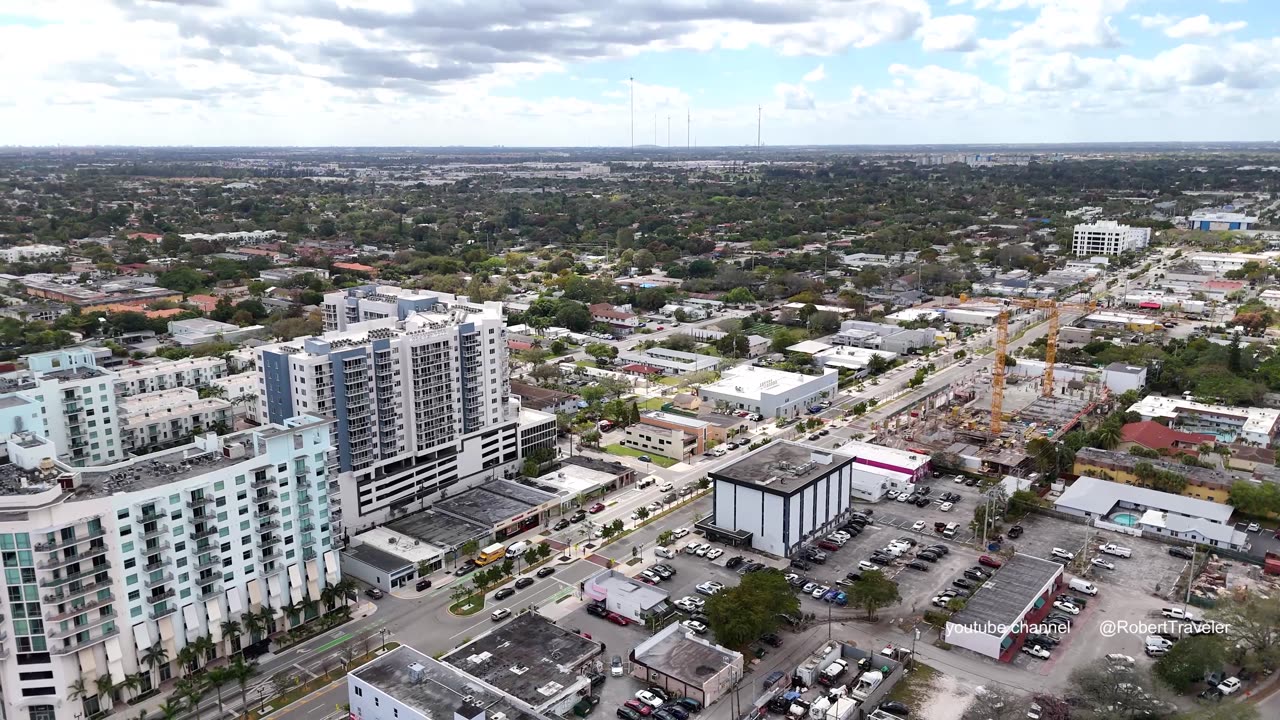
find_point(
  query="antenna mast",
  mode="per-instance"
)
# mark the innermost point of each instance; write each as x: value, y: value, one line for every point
x: 632, y: 82
x: 759, y: 118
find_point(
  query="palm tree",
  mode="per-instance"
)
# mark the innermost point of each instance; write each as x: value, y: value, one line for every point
x: 240, y: 671
x: 230, y: 631
x: 200, y: 648
x: 131, y: 683
x: 76, y: 690
x: 217, y: 677
x: 154, y: 657
x: 345, y: 587
x: 1108, y: 435
x: 268, y: 615
x: 252, y: 625
x: 328, y: 595
x: 104, y: 685
x: 169, y: 709
x: 192, y: 692
x: 187, y: 658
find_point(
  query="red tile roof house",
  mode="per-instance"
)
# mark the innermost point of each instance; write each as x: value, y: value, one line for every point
x: 356, y: 267
x: 519, y: 345
x: 1166, y: 441
x: 613, y: 317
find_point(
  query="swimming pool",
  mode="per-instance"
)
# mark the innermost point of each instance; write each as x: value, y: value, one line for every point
x: 1124, y: 518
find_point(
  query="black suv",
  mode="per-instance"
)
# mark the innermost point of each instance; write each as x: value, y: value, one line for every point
x: 597, y: 610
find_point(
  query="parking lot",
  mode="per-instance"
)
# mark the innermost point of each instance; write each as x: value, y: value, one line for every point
x: 1151, y: 568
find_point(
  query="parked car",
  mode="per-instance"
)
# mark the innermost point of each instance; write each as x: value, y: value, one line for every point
x: 524, y: 582
x: 422, y: 585
x: 1105, y: 564
x: 500, y: 615
x: 1060, y: 553
x: 649, y: 698
x: 617, y: 619
x: 615, y: 666
x: 578, y: 516
x: 374, y: 593
x: 771, y: 640
x: 918, y: 526
x: 638, y: 707
x: 697, y: 627
x: 893, y: 707
x: 917, y: 565
x: 1181, y: 552
x: 597, y: 610
x: 989, y: 561
x: 1066, y: 607
x: 734, y: 562
x: 963, y: 583
x: 1036, y: 651
x: 946, y: 507
x: 1014, y: 532
x: 1229, y: 686
x: 504, y: 593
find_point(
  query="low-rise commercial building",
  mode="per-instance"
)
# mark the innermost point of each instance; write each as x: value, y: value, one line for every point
x: 157, y: 374
x: 667, y: 434
x: 1217, y: 221
x: 1119, y: 377
x: 771, y: 393
x: 677, y: 660
x: 670, y: 362
x: 993, y: 622
x: 197, y: 331
x: 31, y: 253
x: 629, y: 598
x: 545, y: 399
x: 877, y: 469
x: 882, y: 336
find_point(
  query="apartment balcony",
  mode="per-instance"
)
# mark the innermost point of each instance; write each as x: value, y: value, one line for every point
x: 144, y: 518
x: 268, y: 524
x: 308, y: 554
x: 78, y: 609
x: 199, y: 502
x: 69, y: 593
x: 266, y: 554
x: 305, y: 497
x: 153, y: 566
x: 160, y: 597
x: 57, y: 582
x: 63, y: 543
x: 272, y: 570
x: 270, y: 540
x: 208, y: 562
x: 262, y: 482
x: 210, y: 591
x: 160, y: 530
x: 265, y: 496
x: 80, y: 644
x: 149, y: 583
x: 307, y: 527
x: 160, y: 547
x: 59, y: 633
x: 207, y: 532
x: 63, y: 561
x: 265, y: 514
x: 161, y: 612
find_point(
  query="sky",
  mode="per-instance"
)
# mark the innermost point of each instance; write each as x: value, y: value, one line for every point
x: 700, y: 72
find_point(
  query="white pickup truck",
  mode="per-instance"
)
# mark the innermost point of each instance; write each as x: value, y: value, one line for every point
x: 1117, y: 550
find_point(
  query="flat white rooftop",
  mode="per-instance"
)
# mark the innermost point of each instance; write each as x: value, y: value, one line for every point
x: 402, y: 546
x: 1256, y: 420
x: 749, y: 381
x: 879, y: 453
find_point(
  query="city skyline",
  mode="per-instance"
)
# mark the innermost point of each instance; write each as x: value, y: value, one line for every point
x: 267, y: 72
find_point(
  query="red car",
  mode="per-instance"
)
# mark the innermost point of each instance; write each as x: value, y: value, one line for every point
x: 828, y: 545
x: 617, y: 619
x: 595, y: 508
x: 639, y: 707
x: 989, y: 561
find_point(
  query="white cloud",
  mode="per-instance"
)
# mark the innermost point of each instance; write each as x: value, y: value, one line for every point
x: 1201, y: 26
x: 794, y: 97
x: 950, y: 33
x: 817, y: 74
x: 1148, y: 22
x: 927, y: 89
x: 1064, y: 25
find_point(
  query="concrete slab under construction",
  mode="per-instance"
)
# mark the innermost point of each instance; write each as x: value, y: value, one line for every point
x: 1054, y: 414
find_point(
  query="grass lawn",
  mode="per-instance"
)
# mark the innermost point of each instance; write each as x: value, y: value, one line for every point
x: 475, y: 601
x: 653, y: 403
x: 585, y: 363
x: 658, y: 460
x: 916, y: 686
x: 764, y: 329
x: 669, y: 381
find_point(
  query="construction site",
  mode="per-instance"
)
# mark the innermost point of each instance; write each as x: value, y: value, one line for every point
x: 986, y: 420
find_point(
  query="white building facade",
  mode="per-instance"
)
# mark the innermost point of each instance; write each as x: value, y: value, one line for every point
x: 105, y: 564
x: 168, y: 374
x: 1107, y: 237
x: 771, y: 393
x: 419, y: 405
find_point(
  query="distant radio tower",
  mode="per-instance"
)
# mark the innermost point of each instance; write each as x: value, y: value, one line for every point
x: 632, y: 82
x: 668, y: 131
x: 759, y: 117
x: 688, y: 129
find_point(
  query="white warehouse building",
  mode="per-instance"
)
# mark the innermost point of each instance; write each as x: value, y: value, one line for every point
x: 772, y: 393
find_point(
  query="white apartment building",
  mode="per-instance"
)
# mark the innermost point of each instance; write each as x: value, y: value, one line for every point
x: 76, y: 401
x: 1219, y: 263
x: 103, y: 564
x: 377, y: 302
x: 419, y: 404
x: 1253, y: 425
x: 1107, y: 237
x: 31, y: 253
x: 241, y: 390
x: 168, y: 374
x: 1271, y: 298
x: 772, y: 393
x: 161, y: 419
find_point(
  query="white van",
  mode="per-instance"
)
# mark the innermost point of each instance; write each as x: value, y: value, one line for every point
x: 517, y: 549
x: 1082, y: 586
x: 664, y: 552
x: 950, y: 530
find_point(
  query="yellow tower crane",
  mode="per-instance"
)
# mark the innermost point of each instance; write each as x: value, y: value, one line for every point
x: 1002, y: 348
